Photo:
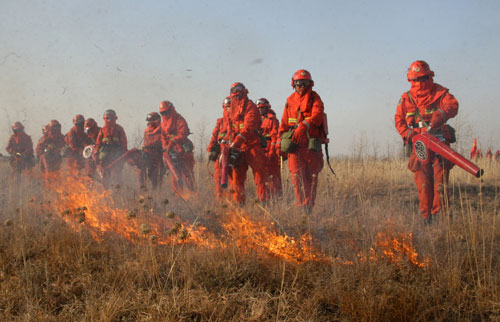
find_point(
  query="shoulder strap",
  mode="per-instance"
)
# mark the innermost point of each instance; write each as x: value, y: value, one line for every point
x: 416, y: 110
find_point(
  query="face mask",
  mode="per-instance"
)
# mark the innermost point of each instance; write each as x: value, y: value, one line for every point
x: 422, y: 88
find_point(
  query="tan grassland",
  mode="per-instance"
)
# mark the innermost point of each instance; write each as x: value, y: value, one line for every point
x: 50, y: 271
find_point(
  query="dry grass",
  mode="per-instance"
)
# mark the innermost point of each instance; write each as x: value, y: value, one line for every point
x: 50, y: 272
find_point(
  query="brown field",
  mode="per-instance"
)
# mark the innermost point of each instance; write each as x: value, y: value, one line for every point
x: 70, y: 253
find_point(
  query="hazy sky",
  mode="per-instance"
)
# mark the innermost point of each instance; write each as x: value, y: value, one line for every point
x: 60, y: 58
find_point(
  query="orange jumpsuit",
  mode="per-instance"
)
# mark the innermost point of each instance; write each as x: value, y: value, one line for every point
x: 76, y: 140
x: 91, y: 140
x: 304, y: 164
x: 20, y: 147
x: 243, y: 127
x: 175, y: 143
x: 48, y: 151
x: 111, y: 143
x: 152, y: 152
x: 270, y: 127
x: 429, y: 177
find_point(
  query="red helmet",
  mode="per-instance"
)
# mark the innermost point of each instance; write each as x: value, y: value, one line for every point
x: 302, y: 74
x: 165, y: 107
x: 262, y: 102
x: 90, y: 123
x: 237, y: 89
x: 17, y: 127
x: 78, y: 119
x: 226, y: 102
x: 54, y: 124
x: 153, y: 117
x: 419, y: 68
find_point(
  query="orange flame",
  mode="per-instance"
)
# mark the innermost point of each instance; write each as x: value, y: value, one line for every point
x: 397, y: 249
x: 250, y: 234
x: 96, y: 210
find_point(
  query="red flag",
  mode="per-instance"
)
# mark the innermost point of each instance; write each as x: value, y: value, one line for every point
x: 473, y: 151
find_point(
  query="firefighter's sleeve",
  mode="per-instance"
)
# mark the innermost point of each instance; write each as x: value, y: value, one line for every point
x: 274, y: 130
x: 449, y: 106
x: 10, y: 146
x: 215, y: 135
x: 251, y: 122
x: 317, y: 111
x: 70, y: 140
x: 400, y: 120
x: 182, y: 130
x: 40, y: 146
x: 98, y: 140
x: 284, y: 122
x: 29, y: 147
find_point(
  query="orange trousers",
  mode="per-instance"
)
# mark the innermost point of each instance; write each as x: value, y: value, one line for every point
x: 432, y: 184
x: 305, y: 165
x: 254, y: 158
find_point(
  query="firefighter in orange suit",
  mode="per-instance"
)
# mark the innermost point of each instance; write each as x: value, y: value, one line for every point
x: 304, y: 112
x: 270, y: 127
x: 426, y: 107
x: 243, y: 128
x: 214, y: 149
x: 20, y: 148
x: 76, y: 140
x: 48, y: 151
x: 489, y: 154
x: 178, y: 149
x: 111, y: 143
x: 152, y: 151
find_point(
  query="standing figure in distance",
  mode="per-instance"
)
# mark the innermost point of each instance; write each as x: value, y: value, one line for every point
x: 214, y: 148
x: 152, y: 151
x: 425, y: 108
x: 488, y: 155
x: 304, y: 114
x: 20, y: 148
x: 270, y: 126
x: 48, y: 151
x: 178, y: 149
x: 76, y: 140
x: 111, y: 143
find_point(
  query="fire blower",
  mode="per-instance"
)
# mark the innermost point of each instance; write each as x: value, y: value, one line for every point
x: 425, y: 143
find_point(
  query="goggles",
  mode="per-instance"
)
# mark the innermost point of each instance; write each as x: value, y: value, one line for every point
x: 302, y: 83
x: 237, y: 89
x: 420, y: 79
